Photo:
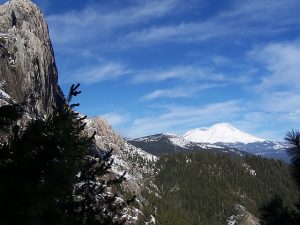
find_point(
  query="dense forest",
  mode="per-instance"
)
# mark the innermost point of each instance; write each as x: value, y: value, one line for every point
x: 203, y: 188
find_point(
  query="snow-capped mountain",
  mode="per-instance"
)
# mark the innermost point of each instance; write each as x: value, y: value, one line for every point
x: 225, y: 134
x: 221, y: 132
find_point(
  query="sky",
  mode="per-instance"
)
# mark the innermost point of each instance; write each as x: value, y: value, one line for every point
x: 154, y: 66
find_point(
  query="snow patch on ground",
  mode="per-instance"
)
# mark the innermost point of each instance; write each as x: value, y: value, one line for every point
x: 248, y: 168
x: 145, y: 155
x: 3, y: 94
x: 179, y: 141
x: 188, y: 160
x: 5, y: 98
x: 152, y: 220
x: 212, y: 146
x: 147, y: 139
x: 232, y: 220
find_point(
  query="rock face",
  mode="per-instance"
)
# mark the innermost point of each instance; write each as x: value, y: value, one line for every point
x: 138, y: 165
x: 136, y: 162
x: 28, y: 72
x: 242, y: 217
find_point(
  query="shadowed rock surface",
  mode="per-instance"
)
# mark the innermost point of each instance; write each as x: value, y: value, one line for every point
x: 242, y: 217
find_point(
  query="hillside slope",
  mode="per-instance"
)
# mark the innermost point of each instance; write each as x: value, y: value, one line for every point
x: 204, y: 188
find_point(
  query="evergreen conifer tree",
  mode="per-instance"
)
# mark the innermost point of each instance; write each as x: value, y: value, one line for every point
x: 293, y: 138
x: 38, y: 166
x: 40, y: 178
x: 275, y: 212
x: 94, y: 203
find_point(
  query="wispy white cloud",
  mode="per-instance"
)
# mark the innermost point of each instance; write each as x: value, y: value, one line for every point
x: 276, y: 90
x: 177, y: 92
x: 267, y: 123
x: 221, y: 60
x: 115, y: 119
x: 295, y: 115
x: 281, y: 61
x: 187, y: 73
x: 281, y: 102
x: 263, y: 12
x: 98, y: 73
x: 244, y: 19
x: 178, y: 118
x: 190, y: 75
x: 136, y: 24
x: 279, y: 86
x: 169, y: 93
x: 97, y: 22
x: 183, y: 32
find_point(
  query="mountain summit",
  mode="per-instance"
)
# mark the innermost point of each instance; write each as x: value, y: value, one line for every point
x: 221, y: 132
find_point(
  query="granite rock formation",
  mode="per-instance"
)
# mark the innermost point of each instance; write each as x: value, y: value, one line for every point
x: 28, y: 72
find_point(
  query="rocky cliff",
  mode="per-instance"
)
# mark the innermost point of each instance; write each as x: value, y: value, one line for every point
x: 28, y: 75
x: 28, y: 72
x: 138, y: 165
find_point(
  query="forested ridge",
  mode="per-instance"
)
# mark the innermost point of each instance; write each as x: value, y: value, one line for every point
x: 203, y: 187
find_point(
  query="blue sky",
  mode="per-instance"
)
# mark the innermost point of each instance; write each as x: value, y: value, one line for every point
x: 152, y: 66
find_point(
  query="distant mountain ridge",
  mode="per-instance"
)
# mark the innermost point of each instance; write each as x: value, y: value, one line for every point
x: 222, y: 137
x: 160, y: 144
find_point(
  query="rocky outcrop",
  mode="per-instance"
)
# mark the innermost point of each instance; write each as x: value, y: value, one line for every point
x: 242, y: 217
x: 138, y: 164
x: 28, y: 72
x: 134, y: 161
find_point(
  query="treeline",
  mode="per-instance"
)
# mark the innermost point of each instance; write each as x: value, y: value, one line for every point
x: 203, y: 187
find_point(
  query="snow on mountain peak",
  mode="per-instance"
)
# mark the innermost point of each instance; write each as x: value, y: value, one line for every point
x: 221, y: 132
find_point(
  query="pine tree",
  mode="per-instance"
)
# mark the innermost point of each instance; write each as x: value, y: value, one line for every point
x: 293, y: 138
x: 40, y: 178
x: 94, y: 203
x: 275, y: 212
x: 38, y: 167
x: 9, y: 114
